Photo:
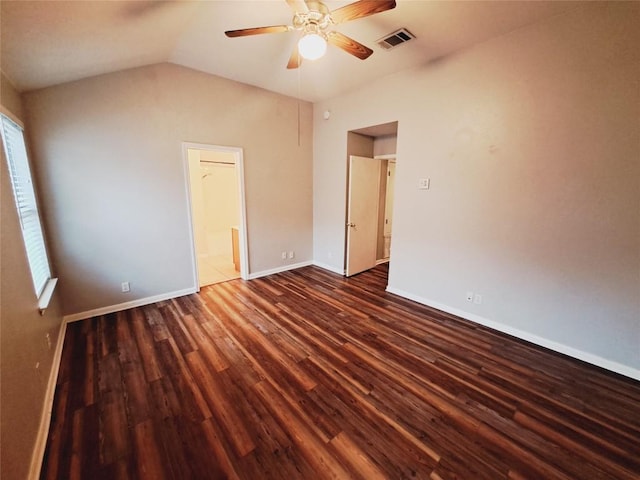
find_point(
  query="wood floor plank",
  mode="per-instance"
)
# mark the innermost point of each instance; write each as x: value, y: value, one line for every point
x: 59, y: 434
x: 149, y: 461
x: 309, y: 375
x: 146, y: 347
x: 276, y: 455
x: 216, y: 444
x: 179, y: 333
x: 289, y: 386
x: 311, y: 446
x: 156, y: 323
x: 205, y: 345
x: 358, y: 460
x: 220, y: 407
x: 373, y: 436
x: 191, y: 400
x: 267, y: 351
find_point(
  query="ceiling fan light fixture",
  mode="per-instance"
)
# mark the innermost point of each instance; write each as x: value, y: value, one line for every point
x: 312, y: 46
x: 315, y: 21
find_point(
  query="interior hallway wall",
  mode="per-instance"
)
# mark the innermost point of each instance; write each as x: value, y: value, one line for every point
x: 531, y: 141
x: 26, y: 356
x: 197, y: 201
x: 109, y: 154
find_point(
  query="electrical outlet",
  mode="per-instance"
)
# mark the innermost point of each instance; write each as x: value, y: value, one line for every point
x: 284, y: 255
x: 469, y: 296
x: 125, y: 287
x: 477, y: 299
x: 292, y: 254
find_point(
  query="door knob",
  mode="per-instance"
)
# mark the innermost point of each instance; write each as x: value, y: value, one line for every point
x: 352, y: 225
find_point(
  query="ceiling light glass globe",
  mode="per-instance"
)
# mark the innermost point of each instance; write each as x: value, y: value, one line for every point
x: 312, y: 46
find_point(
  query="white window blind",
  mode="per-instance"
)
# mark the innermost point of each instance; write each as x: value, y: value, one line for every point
x: 16, y: 153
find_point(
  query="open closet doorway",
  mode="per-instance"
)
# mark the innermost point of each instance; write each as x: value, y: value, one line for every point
x: 218, y: 220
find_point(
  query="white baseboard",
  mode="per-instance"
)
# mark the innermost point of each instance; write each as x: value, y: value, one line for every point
x: 37, y: 456
x: 616, y: 367
x: 339, y: 271
x: 126, y: 305
x: 284, y: 268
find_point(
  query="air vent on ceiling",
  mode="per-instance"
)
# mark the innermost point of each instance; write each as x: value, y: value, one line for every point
x: 396, y: 38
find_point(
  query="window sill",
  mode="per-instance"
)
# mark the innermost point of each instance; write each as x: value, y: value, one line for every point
x: 47, y: 293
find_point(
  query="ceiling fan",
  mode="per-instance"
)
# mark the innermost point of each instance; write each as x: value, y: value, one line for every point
x: 316, y: 21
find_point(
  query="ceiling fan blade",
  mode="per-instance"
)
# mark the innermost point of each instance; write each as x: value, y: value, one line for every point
x: 243, y: 32
x: 298, y: 6
x: 296, y: 59
x: 360, y: 9
x: 349, y: 45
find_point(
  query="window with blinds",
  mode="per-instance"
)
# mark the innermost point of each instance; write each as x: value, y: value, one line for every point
x: 20, y: 174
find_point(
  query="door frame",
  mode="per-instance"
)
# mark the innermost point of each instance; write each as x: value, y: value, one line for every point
x: 238, y: 156
x: 390, y: 157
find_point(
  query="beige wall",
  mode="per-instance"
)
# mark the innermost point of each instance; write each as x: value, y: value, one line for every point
x: 109, y: 155
x: 25, y: 354
x: 357, y: 144
x: 10, y: 97
x: 531, y: 141
x: 197, y: 201
x: 385, y: 145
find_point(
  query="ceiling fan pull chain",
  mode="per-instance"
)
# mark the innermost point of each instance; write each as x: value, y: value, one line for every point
x: 299, y: 93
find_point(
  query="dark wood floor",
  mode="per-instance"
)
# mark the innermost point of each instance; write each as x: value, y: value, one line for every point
x: 307, y: 375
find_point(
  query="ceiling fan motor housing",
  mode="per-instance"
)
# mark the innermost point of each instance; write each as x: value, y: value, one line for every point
x: 316, y: 20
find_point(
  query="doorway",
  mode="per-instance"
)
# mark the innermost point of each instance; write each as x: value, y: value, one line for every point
x: 371, y: 161
x: 369, y: 212
x: 218, y: 220
x: 385, y: 221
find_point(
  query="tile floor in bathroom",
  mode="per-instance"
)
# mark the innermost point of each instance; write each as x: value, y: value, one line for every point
x: 215, y: 269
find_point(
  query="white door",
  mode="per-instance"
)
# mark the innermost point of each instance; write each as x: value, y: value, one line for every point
x: 362, y: 214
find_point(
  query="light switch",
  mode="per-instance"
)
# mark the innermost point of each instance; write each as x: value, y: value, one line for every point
x: 424, y: 183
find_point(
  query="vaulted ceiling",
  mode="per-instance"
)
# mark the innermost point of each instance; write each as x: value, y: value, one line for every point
x: 47, y: 43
